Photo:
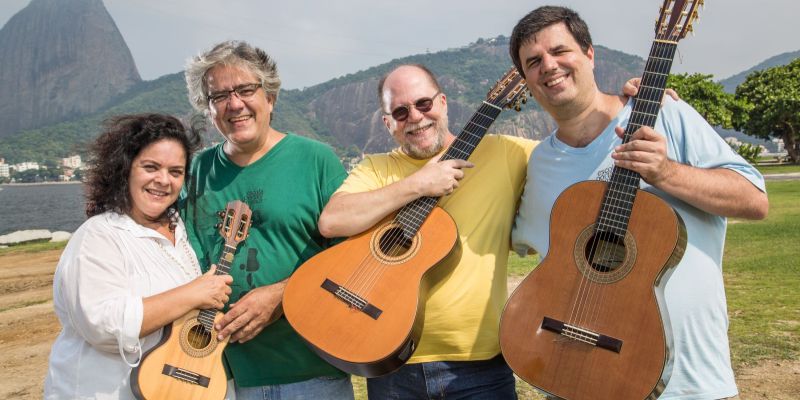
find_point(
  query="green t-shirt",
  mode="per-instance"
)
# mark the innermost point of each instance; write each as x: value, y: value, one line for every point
x: 286, y: 190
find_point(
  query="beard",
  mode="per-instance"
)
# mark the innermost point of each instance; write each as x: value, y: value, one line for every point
x: 440, y: 129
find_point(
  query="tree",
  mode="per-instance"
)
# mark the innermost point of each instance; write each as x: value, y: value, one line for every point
x: 773, y: 96
x: 708, y: 98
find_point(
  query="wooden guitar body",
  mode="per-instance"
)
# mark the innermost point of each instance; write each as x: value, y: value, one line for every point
x: 187, y: 362
x: 184, y: 365
x: 580, y: 331
x: 358, y: 303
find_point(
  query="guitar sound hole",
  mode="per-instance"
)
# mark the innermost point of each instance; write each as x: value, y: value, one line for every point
x: 605, y: 251
x: 393, y: 242
x: 198, y: 337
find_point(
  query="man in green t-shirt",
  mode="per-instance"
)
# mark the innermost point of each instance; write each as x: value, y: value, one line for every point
x: 286, y: 180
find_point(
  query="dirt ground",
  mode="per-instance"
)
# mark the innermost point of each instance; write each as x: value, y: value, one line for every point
x: 28, y: 326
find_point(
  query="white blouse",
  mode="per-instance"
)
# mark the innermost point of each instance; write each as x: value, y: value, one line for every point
x: 109, y: 265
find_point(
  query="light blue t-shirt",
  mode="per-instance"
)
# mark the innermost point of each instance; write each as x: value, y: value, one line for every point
x: 695, y: 294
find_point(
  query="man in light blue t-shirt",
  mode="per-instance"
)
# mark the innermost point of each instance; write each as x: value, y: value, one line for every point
x: 682, y: 160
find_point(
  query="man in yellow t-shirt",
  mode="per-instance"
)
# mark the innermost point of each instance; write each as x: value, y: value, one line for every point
x: 458, y: 353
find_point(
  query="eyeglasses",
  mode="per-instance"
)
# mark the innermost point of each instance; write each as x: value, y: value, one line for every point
x: 425, y: 104
x: 242, y: 92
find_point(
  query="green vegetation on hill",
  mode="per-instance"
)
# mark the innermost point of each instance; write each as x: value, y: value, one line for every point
x: 468, y: 72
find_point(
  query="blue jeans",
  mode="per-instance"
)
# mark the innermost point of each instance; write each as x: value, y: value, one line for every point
x: 312, y: 389
x: 489, y: 380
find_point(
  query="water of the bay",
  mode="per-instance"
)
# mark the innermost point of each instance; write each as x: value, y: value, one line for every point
x: 55, y: 207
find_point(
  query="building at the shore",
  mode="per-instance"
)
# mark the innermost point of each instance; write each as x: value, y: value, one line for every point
x: 24, y: 166
x: 73, y: 162
x: 5, y: 170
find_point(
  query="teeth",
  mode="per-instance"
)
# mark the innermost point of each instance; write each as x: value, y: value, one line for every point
x: 156, y: 192
x: 418, y: 130
x: 237, y: 119
x: 554, y: 82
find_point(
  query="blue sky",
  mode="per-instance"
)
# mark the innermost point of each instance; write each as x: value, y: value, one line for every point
x: 314, y: 41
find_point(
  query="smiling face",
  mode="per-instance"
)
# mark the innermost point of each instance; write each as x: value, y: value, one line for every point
x: 558, y: 73
x: 243, y: 121
x: 156, y: 178
x: 423, y: 134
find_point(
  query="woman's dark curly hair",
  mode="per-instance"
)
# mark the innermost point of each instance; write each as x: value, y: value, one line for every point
x: 113, y: 152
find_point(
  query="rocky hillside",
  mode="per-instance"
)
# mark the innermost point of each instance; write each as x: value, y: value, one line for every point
x: 60, y: 59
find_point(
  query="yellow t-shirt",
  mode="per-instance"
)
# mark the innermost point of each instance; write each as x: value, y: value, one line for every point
x: 464, y: 303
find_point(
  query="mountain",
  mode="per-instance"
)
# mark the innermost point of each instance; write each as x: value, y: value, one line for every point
x: 732, y: 82
x: 60, y: 59
x: 343, y: 111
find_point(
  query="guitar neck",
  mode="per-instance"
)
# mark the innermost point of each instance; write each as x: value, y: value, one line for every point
x: 206, y: 317
x: 412, y: 215
x: 617, y: 205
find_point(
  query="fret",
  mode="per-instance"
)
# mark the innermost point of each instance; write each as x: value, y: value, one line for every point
x: 493, y: 106
x: 476, y: 124
x: 650, y: 114
x: 649, y: 101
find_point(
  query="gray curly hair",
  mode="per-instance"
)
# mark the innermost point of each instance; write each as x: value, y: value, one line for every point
x: 233, y: 53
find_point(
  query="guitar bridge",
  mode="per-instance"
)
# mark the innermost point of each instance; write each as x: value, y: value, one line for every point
x: 582, y: 335
x: 185, y: 375
x: 351, y: 299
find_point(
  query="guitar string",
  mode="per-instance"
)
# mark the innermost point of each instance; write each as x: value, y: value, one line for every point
x: 647, y: 111
x: 372, y: 269
x: 595, y: 288
x: 590, y: 291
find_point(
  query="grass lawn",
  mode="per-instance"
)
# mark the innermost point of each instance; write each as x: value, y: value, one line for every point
x: 778, y: 169
x: 32, y: 247
x: 762, y: 280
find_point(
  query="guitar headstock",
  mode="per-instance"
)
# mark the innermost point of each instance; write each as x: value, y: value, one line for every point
x: 509, y: 91
x: 235, y: 224
x: 676, y: 18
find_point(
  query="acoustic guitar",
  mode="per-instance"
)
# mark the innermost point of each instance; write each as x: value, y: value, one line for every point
x: 358, y: 303
x: 590, y: 321
x: 187, y: 362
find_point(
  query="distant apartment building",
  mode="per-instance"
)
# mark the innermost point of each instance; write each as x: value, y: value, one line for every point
x: 25, y: 166
x: 5, y: 171
x: 73, y: 162
x: 779, y: 144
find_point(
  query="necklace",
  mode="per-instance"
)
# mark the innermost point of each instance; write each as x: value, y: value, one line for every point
x: 193, y: 270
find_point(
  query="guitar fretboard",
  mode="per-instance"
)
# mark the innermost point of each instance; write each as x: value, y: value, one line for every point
x: 413, y: 214
x: 618, y: 203
x: 206, y: 317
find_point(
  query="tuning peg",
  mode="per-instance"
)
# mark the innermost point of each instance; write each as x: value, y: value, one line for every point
x: 524, y: 100
x: 218, y: 225
x: 221, y: 214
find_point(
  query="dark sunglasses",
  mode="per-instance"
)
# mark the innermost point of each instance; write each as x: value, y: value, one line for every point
x: 425, y: 104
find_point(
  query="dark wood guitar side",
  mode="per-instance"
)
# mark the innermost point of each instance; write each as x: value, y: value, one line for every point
x: 187, y: 362
x: 590, y: 321
x: 358, y: 303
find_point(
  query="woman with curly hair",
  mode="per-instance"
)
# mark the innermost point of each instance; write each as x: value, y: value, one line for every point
x: 128, y: 270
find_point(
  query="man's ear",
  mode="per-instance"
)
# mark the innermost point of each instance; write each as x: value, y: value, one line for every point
x: 387, y: 123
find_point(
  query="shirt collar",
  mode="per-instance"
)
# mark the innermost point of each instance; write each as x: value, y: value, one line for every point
x: 125, y: 222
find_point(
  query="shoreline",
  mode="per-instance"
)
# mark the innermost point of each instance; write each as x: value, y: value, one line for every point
x: 41, y: 183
